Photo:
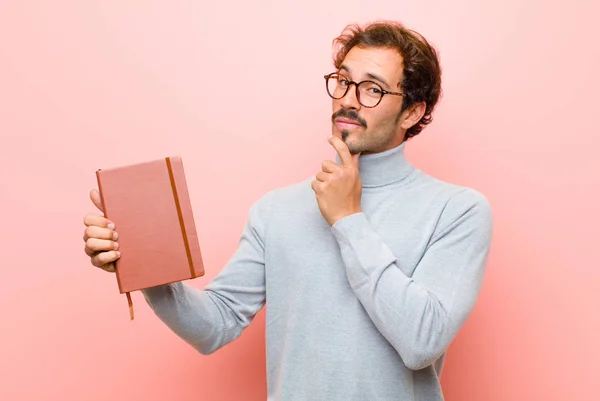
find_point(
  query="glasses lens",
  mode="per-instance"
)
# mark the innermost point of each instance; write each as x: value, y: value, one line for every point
x: 337, y: 86
x: 370, y: 93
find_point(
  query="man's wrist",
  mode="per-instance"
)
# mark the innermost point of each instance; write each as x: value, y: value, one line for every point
x: 344, y: 216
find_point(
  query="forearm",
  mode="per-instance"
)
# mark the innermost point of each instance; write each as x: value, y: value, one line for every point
x: 196, y: 316
x: 211, y: 318
x: 418, y: 315
x: 409, y: 317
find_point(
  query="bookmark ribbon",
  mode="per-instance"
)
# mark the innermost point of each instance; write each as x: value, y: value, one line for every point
x: 180, y: 215
x: 130, y: 305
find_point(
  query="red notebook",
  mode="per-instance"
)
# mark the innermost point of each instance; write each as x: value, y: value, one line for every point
x: 150, y: 206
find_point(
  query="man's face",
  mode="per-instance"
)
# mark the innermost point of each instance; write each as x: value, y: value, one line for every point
x: 370, y: 130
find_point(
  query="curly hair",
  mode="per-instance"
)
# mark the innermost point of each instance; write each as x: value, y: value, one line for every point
x: 422, y: 72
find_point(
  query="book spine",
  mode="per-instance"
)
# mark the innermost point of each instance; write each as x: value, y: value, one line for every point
x: 127, y: 294
x: 116, y: 262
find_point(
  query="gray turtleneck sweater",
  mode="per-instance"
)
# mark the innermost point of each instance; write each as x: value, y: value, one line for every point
x: 361, y: 310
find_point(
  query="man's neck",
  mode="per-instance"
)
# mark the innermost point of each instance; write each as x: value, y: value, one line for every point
x: 383, y: 168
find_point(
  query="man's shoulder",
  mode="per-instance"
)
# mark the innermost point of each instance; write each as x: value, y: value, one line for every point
x: 456, y: 200
x: 458, y: 194
x: 298, y: 192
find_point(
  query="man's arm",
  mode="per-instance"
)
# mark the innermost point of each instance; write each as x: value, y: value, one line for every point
x: 420, y: 315
x: 211, y: 318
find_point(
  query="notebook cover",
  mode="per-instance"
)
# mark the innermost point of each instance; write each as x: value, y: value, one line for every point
x: 150, y: 206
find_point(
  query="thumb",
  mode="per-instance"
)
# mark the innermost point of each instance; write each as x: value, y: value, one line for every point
x: 96, y: 200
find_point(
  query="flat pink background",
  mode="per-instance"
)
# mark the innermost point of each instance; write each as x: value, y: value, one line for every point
x: 237, y: 91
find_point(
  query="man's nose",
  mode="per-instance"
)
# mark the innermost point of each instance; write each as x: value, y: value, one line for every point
x: 350, y: 100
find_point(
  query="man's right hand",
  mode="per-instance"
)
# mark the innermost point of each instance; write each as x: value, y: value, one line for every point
x: 100, y: 237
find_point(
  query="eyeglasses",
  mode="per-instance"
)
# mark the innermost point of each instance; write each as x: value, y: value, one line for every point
x: 368, y: 93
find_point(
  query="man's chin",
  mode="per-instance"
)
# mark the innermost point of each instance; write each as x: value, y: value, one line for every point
x: 348, y: 138
x: 350, y: 142
x: 344, y: 135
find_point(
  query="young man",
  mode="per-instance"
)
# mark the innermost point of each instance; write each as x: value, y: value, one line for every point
x: 370, y: 268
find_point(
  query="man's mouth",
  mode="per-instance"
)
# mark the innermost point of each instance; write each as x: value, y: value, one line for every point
x: 347, y: 120
x: 346, y: 123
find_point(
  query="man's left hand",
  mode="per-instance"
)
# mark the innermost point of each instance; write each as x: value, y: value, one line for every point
x: 338, y: 187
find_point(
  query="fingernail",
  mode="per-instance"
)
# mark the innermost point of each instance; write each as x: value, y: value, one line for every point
x: 115, y: 236
x: 111, y: 225
x: 116, y: 246
x: 118, y: 254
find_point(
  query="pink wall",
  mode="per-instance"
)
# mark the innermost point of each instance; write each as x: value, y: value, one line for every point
x: 96, y: 84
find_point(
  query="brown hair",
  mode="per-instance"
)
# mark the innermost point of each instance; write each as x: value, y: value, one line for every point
x: 422, y: 71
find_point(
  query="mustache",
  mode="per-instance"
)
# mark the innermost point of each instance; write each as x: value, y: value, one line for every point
x: 349, y: 114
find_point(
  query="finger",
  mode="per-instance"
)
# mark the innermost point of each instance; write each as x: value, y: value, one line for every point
x: 105, y: 260
x: 102, y: 258
x: 97, y: 220
x: 93, y: 245
x: 109, y: 267
x: 316, y: 186
x: 321, y: 176
x: 96, y: 199
x: 329, y: 166
x: 99, y: 232
x: 342, y: 150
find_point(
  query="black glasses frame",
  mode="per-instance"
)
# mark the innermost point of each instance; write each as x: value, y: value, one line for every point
x: 356, y: 84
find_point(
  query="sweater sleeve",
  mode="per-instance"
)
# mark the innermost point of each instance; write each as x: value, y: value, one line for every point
x: 420, y: 315
x: 211, y: 318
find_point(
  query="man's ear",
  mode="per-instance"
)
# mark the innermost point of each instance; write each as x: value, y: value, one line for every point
x: 413, y: 115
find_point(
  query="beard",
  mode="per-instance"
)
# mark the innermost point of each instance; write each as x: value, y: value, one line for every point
x: 350, y: 115
x: 363, y: 140
x: 367, y: 142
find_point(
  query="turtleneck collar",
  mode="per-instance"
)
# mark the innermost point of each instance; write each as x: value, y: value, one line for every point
x: 384, y: 168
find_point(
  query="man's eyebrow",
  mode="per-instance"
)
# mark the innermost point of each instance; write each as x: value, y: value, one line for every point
x: 343, y: 67
x: 369, y: 75
x: 377, y: 78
